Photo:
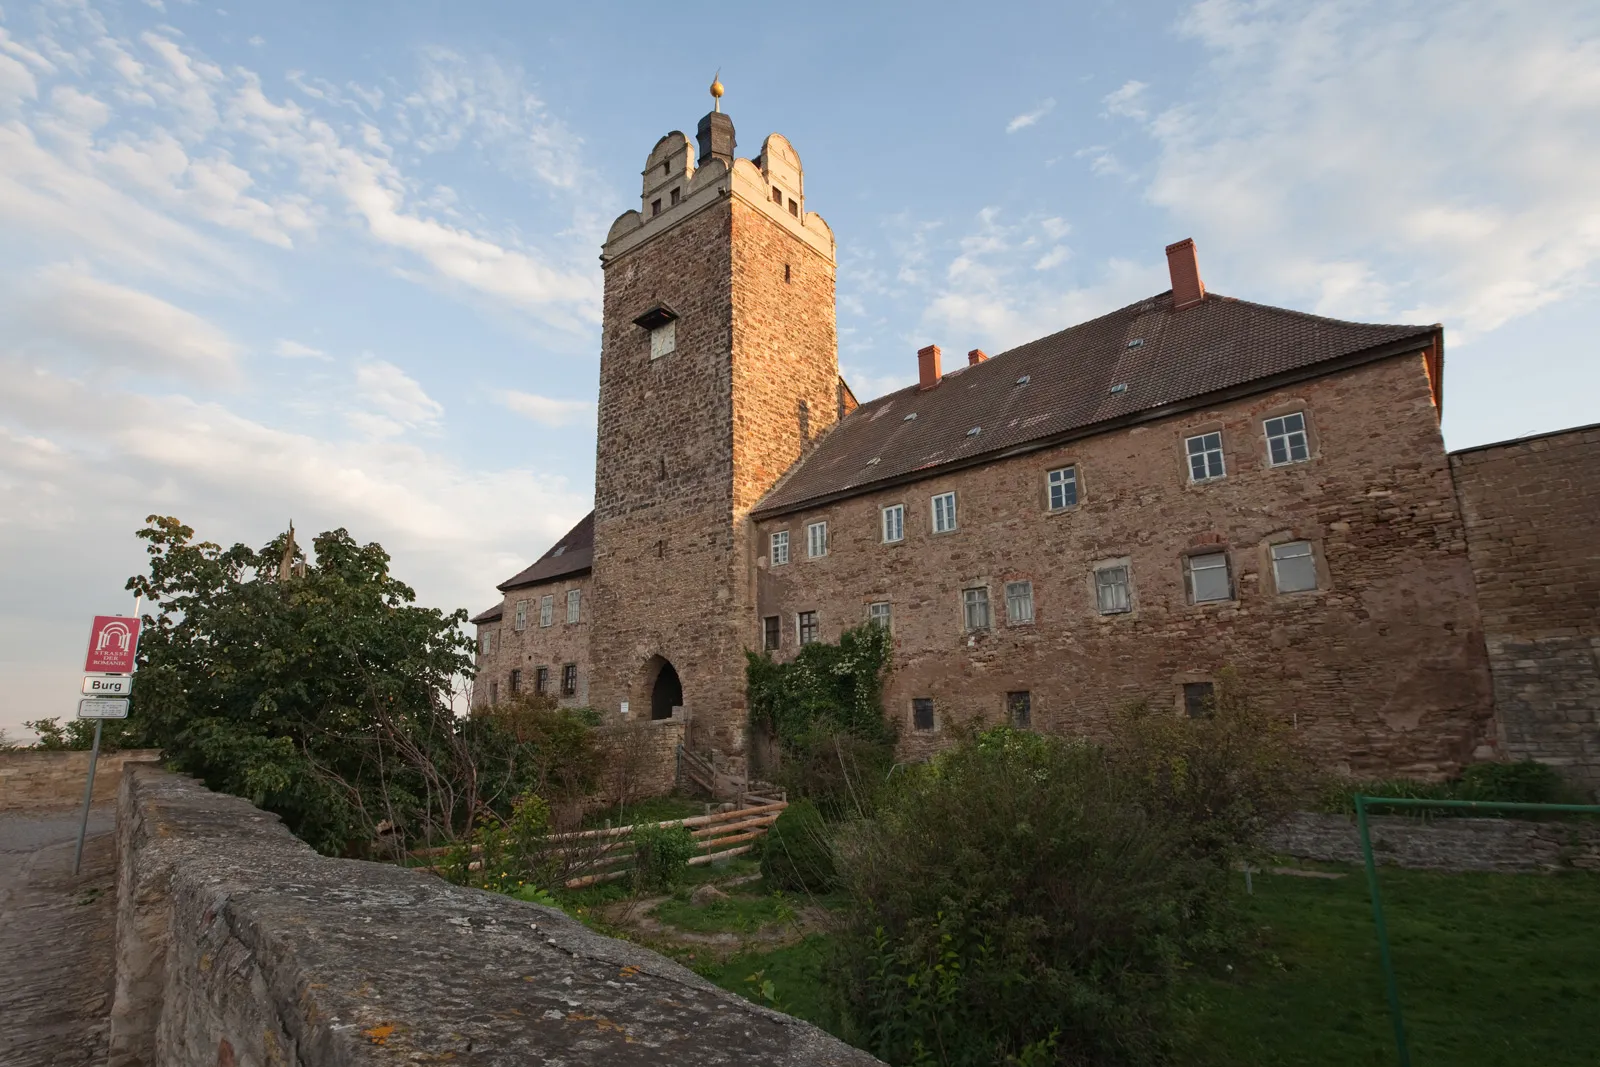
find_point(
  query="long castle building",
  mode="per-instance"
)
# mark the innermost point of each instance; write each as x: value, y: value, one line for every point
x: 1115, y: 512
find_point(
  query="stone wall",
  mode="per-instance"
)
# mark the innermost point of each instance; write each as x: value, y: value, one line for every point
x: 1532, y: 509
x: 641, y: 758
x: 535, y: 646
x: 237, y: 944
x: 35, y: 780
x: 1382, y: 668
x: 1442, y: 844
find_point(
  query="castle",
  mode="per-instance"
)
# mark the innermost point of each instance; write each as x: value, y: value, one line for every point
x: 1115, y: 512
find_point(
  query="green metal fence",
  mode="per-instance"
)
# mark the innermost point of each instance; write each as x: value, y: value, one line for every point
x: 1391, y: 987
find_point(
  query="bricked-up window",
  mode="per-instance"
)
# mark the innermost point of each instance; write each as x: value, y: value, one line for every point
x: 1019, y: 708
x: 655, y: 208
x: 1207, y: 578
x: 674, y: 196
x: 1113, y: 594
x: 569, y: 680
x: 547, y: 609
x: 574, y: 598
x: 771, y: 632
x: 880, y: 614
x: 1286, y: 440
x: 515, y: 682
x: 541, y: 680
x: 664, y: 339
x: 780, y: 548
x: 1294, y: 567
x: 975, y: 605
x: 1205, y: 457
x: 816, y: 540
x: 1063, y: 488
x: 894, y: 523
x: 806, y: 625
x: 922, y: 714
x: 1199, y: 699
x: 1019, y: 603
x: 944, y: 513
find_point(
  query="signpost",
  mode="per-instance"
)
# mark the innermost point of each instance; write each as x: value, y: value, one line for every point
x: 113, y: 646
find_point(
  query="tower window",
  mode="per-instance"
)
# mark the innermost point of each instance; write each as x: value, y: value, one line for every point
x: 666, y: 168
x: 777, y: 196
x: 674, y: 196
x: 786, y: 275
x: 655, y: 208
x: 794, y: 207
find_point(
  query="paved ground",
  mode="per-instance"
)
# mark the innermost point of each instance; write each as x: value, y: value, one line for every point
x: 55, y: 940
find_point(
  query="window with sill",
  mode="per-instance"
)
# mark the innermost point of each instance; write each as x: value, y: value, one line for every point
x: 514, y: 683
x: 780, y: 548
x: 1113, y: 589
x: 569, y: 680
x: 1286, y: 440
x: 1294, y: 567
x: 1019, y: 708
x: 922, y: 714
x: 975, y: 605
x: 521, y: 621
x: 944, y: 513
x: 1063, y: 488
x: 541, y: 680
x: 1207, y: 577
x: 894, y: 523
x: 574, y: 596
x: 771, y: 633
x: 1205, y: 457
x: 807, y: 627
x: 816, y: 540
x: 1019, y: 603
x: 547, y: 609
x: 879, y: 613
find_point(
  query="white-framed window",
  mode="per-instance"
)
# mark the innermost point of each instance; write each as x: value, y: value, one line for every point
x: 944, y: 513
x: 664, y: 339
x: 1063, y: 488
x: 1207, y: 577
x: 1286, y: 440
x: 1113, y: 589
x: 975, y: 606
x: 894, y: 523
x: 1294, y: 567
x: 879, y: 613
x: 574, y: 604
x: 816, y: 540
x: 1019, y: 602
x: 807, y: 627
x: 547, y: 609
x: 521, y: 622
x: 780, y: 548
x: 486, y: 642
x: 1205, y: 457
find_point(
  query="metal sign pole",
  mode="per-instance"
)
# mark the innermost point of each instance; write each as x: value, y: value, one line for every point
x: 88, y: 795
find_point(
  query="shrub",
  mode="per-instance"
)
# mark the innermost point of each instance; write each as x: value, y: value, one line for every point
x: 796, y: 854
x: 1015, y: 901
x: 511, y: 855
x: 661, y: 856
x: 839, y: 772
x: 1523, y: 782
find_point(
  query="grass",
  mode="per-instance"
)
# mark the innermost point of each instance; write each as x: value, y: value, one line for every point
x: 739, y: 913
x: 1495, y: 970
x: 647, y: 809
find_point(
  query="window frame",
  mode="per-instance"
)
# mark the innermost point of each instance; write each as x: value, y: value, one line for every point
x: 1070, y: 483
x: 1026, y: 596
x: 541, y: 680
x: 1194, y: 694
x: 804, y: 620
x: 953, y: 523
x: 574, y: 606
x: 519, y: 620
x: 884, y: 618
x: 899, y: 511
x: 1190, y: 455
x: 1126, y: 567
x: 1192, y: 585
x: 776, y: 539
x: 1025, y: 721
x: 924, y: 703
x: 1287, y: 436
x: 816, y: 534
x: 1310, y: 554
x: 968, y: 602
x: 547, y: 610
x: 514, y: 681
x: 771, y: 633
x: 569, y: 679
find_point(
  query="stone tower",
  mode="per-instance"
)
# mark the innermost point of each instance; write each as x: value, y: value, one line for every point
x: 718, y: 365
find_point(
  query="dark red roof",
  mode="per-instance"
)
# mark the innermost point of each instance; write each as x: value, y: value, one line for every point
x: 1131, y: 363
x: 573, y: 554
x: 493, y: 614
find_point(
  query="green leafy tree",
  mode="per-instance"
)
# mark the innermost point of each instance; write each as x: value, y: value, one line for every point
x: 76, y: 734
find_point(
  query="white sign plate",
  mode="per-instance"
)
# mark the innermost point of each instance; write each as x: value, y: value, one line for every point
x: 95, y: 708
x: 107, y: 686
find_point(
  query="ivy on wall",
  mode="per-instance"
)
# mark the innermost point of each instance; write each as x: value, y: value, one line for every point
x: 826, y: 689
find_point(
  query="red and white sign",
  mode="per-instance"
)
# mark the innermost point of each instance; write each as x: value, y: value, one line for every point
x: 112, y: 645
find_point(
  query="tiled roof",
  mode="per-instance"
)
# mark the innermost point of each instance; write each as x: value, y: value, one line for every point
x: 1133, y: 361
x: 573, y: 554
x: 493, y: 614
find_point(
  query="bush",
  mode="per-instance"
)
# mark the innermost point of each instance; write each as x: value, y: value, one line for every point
x: 511, y: 855
x: 1523, y: 782
x: 1016, y: 901
x: 796, y: 854
x: 839, y: 772
x: 661, y: 856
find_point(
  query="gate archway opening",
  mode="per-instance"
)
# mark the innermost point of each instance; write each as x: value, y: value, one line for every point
x: 666, y: 693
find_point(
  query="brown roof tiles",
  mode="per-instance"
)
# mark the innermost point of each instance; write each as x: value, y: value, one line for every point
x: 573, y: 554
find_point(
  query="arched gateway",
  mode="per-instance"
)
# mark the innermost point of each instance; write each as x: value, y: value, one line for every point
x: 666, y: 691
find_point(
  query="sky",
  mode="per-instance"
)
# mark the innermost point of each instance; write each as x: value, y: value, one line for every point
x: 338, y: 263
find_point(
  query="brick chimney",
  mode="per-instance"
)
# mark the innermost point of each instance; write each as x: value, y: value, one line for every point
x: 928, y: 374
x: 1187, y: 288
x: 976, y: 356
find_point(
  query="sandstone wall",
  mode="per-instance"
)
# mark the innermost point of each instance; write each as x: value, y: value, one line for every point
x: 1382, y: 668
x: 641, y: 758
x: 536, y: 646
x: 1532, y: 510
x: 236, y: 944
x: 1442, y: 844
x: 34, y: 780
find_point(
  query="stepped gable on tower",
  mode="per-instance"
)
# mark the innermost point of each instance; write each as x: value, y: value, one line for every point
x: 1140, y: 362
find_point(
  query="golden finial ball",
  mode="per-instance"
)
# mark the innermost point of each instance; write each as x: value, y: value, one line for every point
x: 716, y: 88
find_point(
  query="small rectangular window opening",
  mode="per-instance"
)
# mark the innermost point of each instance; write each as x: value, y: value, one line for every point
x: 922, y: 714
x: 515, y: 682
x: 880, y: 614
x: 1019, y: 708
x: 1294, y: 567
x: 816, y: 540
x: 569, y: 680
x: 894, y: 523
x: 1205, y: 457
x: 547, y: 609
x: 771, y: 633
x: 1208, y: 578
x: 541, y: 680
x: 794, y: 207
x: 494, y: 692
x: 780, y: 548
x: 1112, y: 593
x: 674, y: 196
x: 655, y: 208
x: 944, y: 513
x: 1019, y: 603
x: 1063, y: 488
x: 777, y: 196
x: 786, y: 275
x: 809, y: 630
x: 1286, y: 440
x: 975, y: 604
x: 573, y: 598
x: 521, y: 622
x: 1199, y: 699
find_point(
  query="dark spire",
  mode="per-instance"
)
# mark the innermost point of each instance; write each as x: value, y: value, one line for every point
x: 716, y: 130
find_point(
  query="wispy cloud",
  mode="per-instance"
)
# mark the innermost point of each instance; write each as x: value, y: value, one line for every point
x: 1127, y: 101
x: 1029, y: 118
x: 295, y: 350
x: 547, y: 410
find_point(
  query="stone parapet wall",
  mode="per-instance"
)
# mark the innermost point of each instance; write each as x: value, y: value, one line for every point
x: 1442, y: 844
x: 237, y: 944
x: 37, y: 780
x: 641, y: 758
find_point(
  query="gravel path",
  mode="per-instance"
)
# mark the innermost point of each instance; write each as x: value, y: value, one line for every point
x: 55, y: 939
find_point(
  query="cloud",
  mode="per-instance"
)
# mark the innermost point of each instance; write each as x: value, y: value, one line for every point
x: 118, y: 326
x: 1127, y: 101
x: 395, y: 393
x: 1028, y: 118
x: 546, y: 410
x: 295, y: 350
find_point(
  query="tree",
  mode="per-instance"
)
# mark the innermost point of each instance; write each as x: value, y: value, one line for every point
x: 317, y: 689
